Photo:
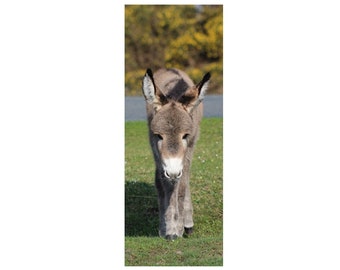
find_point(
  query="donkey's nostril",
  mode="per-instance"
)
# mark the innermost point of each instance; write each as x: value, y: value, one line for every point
x: 166, y: 174
x: 179, y: 175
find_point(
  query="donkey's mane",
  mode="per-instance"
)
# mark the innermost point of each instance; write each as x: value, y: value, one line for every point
x: 179, y: 92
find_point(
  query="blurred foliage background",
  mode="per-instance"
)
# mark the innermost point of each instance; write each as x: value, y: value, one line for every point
x: 188, y: 37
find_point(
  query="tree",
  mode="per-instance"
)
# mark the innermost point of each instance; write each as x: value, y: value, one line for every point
x: 184, y: 36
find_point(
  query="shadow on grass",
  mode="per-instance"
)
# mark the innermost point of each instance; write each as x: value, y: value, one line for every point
x: 141, y: 209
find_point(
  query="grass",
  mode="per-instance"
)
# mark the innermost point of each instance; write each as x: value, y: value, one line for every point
x: 143, y: 246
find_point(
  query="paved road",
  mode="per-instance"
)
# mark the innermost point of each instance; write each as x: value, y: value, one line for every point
x: 135, y: 107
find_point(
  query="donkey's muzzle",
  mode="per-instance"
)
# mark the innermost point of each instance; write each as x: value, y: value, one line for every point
x: 173, y: 168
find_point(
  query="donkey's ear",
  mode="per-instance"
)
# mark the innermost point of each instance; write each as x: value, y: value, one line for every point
x: 150, y: 91
x: 149, y: 88
x: 202, y: 86
x: 200, y: 89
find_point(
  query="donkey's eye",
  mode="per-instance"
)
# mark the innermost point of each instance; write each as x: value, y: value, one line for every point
x: 185, y: 136
x: 159, y: 137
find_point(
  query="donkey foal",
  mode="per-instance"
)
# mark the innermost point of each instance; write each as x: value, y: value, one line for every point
x: 174, y: 111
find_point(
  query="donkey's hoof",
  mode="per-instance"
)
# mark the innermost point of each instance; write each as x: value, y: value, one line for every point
x: 171, y: 237
x: 189, y: 231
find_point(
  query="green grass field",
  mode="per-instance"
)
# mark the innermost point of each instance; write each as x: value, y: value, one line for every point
x: 143, y: 246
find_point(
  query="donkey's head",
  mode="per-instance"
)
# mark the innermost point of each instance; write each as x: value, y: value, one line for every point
x: 173, y: 123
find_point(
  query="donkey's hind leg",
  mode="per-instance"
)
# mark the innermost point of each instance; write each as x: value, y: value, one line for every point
x: 185, y: 207
x: 188, y: 212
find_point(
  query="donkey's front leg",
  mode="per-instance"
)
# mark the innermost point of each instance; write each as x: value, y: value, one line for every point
x: 171, y: 220
x: 172, y: 214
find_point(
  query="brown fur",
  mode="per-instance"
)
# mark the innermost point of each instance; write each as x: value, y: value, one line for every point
x: 174, y: 111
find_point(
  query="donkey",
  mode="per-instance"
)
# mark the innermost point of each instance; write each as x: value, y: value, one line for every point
x: 174, y: 111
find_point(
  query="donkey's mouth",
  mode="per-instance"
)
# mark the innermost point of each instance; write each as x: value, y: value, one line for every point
x: 173, y: 181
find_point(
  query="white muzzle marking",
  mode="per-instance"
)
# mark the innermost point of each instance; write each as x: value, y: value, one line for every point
x: 173, y: 168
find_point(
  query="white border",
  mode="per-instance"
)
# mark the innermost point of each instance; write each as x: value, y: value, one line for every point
x: 281, y: 135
